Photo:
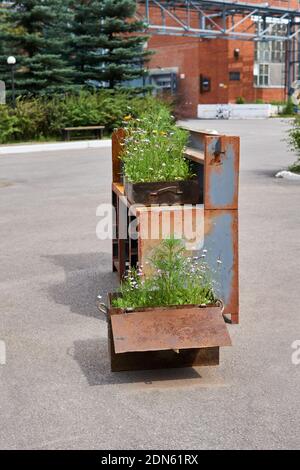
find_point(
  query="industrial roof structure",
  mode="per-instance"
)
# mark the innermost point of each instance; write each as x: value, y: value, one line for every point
x: 216, y: 19
x: 221, y: 19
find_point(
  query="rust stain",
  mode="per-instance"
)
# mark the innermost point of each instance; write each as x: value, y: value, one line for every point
x: 211, y: 215
x: 216, y: 150
x: 217, y: 159
x: 118, y: 137
x: 160, y: 329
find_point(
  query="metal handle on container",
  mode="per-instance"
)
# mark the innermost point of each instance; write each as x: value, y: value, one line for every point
x: 102, y: 308
x: 220, y: 303
x: 171, y: 189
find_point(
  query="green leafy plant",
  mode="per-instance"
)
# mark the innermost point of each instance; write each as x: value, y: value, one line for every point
x: 154, y: 148
x: 293, y: 141
x: 277, y: 102
x: 295, y: 167
x: 240, y: 100
x: 288, y: 109
x: 41, y: 118
x: 31, y: 117
x: 8, y: 124
x: 176, y: 279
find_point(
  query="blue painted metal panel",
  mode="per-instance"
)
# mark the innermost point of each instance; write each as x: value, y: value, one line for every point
x: 220, y: 255
x: 221, y: 173
x: 220, y: 249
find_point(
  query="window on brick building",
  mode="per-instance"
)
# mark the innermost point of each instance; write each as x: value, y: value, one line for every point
x: 269, y: 57
x: 271, y: 51
x: 234, y: 76
x: 261, y: 77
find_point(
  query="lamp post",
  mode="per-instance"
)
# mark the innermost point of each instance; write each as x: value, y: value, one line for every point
x: 11, y: 60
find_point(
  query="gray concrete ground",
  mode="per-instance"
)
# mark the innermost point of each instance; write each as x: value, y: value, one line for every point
x: 56, y: 390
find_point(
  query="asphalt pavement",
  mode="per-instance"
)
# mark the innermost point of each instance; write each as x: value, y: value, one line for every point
x: 56, y: 389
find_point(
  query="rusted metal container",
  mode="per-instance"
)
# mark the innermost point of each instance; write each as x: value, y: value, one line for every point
x: 212, y: 226
x: 162, y: 337
x: 171, y: 192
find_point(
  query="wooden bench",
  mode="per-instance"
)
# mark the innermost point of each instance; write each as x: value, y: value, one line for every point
x: 98, y: 130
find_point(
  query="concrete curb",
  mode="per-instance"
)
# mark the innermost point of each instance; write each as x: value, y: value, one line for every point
x: 52, y: 147
x: 289, y: 175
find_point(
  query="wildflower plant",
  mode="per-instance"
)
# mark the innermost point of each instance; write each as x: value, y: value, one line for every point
x: 294, y: 143
x: 154, y: 148
x: 176, y: 279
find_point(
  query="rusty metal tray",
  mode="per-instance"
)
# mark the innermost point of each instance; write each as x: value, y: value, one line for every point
x: 166, y: 329
x: 172, y: 192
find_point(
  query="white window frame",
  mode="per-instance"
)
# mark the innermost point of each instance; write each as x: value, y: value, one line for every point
x: 260, y: 77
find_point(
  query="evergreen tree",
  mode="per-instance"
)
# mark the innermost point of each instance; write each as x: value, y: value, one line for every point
x: 38, y: 46
x: 85, y: 52
x: 124, y: 55
x: 105, y: 46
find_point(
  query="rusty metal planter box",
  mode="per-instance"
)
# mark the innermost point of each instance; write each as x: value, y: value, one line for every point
x: 163, y: 337
x: 171, y: 192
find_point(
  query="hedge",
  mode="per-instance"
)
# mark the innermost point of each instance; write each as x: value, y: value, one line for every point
x: 43, y: 118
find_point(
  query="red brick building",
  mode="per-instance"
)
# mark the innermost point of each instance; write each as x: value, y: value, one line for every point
x: 234, y: 68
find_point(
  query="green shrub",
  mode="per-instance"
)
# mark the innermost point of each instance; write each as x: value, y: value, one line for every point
x: 294, y: 143
x: 42, y: 118
x: 295, y: 167
x: 8, y: 124
x: 154, y: 148
x: 240, y: 100
x: 277, y: 103
x: 294, y: 135
x: 176, y: 280
x: 288, y: 108
x: 31, y: 119
x: 86, y: 108
x: 148, y: 104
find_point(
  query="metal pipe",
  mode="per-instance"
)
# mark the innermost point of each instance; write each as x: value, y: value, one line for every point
x: 13, y: 92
